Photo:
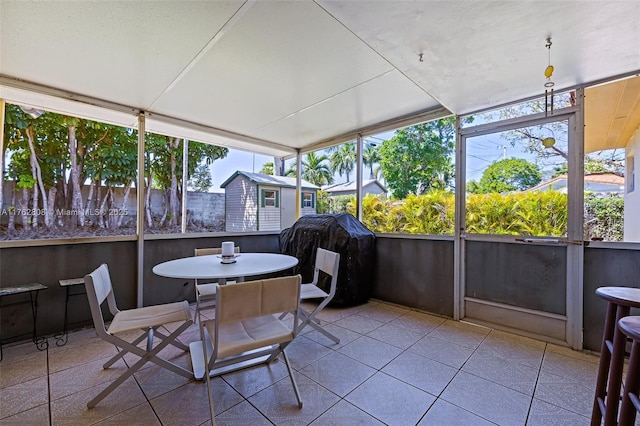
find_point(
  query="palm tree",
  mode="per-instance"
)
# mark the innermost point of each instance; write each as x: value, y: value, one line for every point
x: 343, y: 159
x: 371, y: 156
x: 316, y: 170
x: 267, y: 168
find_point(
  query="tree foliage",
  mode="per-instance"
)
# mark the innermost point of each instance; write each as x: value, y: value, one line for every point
x: 371, y: 157
x: 68, y: 169
x: 343, y: 159
x: 316, y: 169
x: 267, y: 169
x: 597, y: 163
x: 510, y: 174
x: 201, y: 179
x: 530, y: 139
x: 604, y: 217
x: 419, y: 158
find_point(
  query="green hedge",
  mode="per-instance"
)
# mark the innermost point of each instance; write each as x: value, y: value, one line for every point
x: 522, y: 213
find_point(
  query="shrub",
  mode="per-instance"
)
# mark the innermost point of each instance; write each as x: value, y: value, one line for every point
x: 539, y: 214
x: 604, y: 217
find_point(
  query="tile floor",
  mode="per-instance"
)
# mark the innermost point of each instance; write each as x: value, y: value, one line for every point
x: 393, y: 366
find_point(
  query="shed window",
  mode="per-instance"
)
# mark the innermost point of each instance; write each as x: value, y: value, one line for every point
x: 308, y: 200
x: 270, y: 198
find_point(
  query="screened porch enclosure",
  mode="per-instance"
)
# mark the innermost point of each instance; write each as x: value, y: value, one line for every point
x: 240, y: 75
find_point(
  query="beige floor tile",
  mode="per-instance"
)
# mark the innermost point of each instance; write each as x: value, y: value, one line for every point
x: 22, y: 363
x: 390, y: 400
x: 571, y: 367
x: 418, y: 322
x: 512, y: 348
x: 395, y: 336
x: 157, y: 380
x: 72, y: 409
x: 443, y: 413
x: 346, y: 336
x: 442, y: 351
x: 338, y: 373
x: 563, y: 350
x: 571, y: 394
x: 507, y: 373
x: 330, y: 314
x: 421, y: 372
x: 461, y: 334
x: 250, y: 381
x: 545, y: 414
x: 83, y: 377
x: 359, y: 324
x: 189, y: 404
x: 80, y: 352
x: 303, y: 351
x: 35, y: 416
x: 241, y: 414
x: 344, y: 413
x: 23, y: 396
x: 370, y: 351
x: 382, y: 312
x: 278, y: 402
x: 141, y: 415
x: 488, y: 400
x: 515, y: 340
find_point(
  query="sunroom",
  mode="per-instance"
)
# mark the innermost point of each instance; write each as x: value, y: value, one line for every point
x: 289, y: 78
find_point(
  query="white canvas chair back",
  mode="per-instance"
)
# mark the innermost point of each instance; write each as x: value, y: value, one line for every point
x: 246, y: 325
x: 329, y: 263
x: 99, y: 288
x: 212, y: 250
x: 207, y: 291
x: 147, y: 319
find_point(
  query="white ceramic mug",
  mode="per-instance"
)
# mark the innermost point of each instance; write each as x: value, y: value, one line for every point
x: 228, y: 249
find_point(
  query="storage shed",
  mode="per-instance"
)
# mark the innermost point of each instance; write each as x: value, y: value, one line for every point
x: 371, y: 186
x: 258, y: 202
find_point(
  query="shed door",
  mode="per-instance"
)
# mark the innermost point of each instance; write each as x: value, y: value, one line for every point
x: 288, y: 208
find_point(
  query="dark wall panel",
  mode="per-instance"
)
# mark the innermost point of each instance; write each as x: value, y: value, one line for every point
x: 49, y: 264
x: 523, y: 275
x: 603, y: 268
x: 416, y: 273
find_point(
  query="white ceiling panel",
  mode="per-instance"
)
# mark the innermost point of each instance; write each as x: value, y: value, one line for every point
x: 122, y: 51
x: 364, y: 105
x: 281, y: 57
x: 61, y: 105
x: 194, y: 132
x: 477, y: 54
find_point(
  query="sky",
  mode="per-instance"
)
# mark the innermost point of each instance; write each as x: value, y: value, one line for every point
x: 221, y: 170
x: 245, y: 161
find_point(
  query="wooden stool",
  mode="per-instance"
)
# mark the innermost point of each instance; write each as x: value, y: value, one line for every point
x: 630, y: 402
x: 607, y: 399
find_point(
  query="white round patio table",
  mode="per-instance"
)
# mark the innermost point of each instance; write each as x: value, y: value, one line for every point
x: 211, y: 267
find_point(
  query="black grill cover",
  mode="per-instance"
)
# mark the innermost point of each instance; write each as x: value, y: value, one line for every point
x: 341, y: 233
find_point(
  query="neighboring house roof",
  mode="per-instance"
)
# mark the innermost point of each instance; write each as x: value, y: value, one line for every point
x: 597, y: 182
x: 261, y: 179
x: 351, y: 186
